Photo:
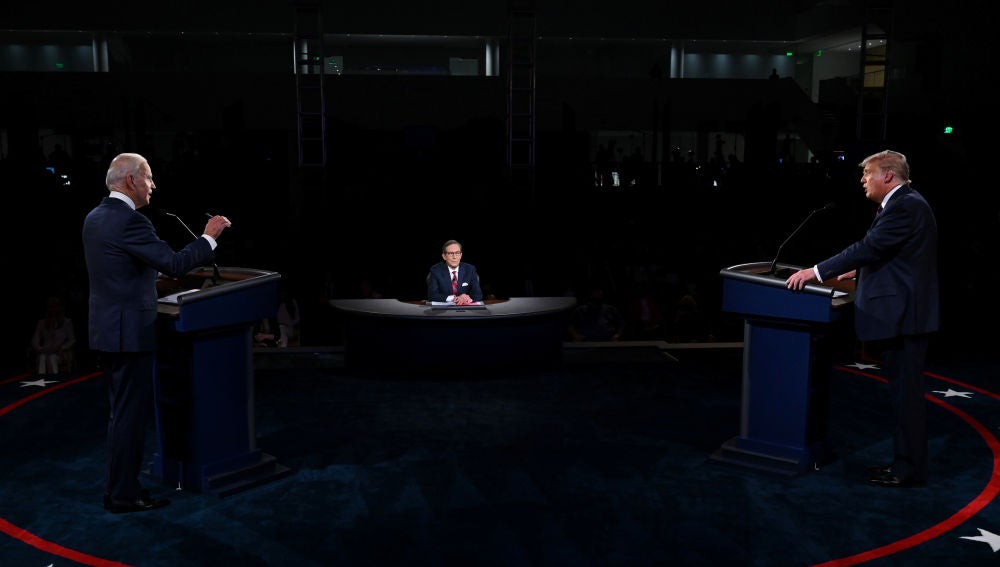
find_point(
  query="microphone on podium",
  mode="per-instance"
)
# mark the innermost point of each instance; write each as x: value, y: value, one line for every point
x: 215, y: 267
x: 774, y: 262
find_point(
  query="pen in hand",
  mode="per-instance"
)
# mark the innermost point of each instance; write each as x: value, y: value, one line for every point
x: 211, y: 216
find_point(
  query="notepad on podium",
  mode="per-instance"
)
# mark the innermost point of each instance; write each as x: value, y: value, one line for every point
x: 174, y: 298
x: 452, y: 306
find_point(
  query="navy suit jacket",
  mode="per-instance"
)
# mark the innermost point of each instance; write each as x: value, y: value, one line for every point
x: 897, y: 287
x: 439, y: 282
x: 124, y: 257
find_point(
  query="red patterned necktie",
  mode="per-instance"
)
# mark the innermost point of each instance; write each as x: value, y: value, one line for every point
x: 454, y: 282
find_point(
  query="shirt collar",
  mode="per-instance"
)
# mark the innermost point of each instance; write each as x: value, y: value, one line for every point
x: 122, y: 197
x: 890, y: 194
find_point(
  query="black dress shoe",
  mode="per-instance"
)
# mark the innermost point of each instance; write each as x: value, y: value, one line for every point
x: 137, y: 505
x: 143, y: 495
x: 892, y: 481
x: 880, y: 469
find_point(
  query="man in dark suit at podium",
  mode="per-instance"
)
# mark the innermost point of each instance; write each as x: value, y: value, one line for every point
x: 452, y: 279
x: 895, y: 305
x: 124, y: 256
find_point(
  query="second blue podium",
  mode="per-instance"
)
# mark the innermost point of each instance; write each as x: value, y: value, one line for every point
x: 786, y: 366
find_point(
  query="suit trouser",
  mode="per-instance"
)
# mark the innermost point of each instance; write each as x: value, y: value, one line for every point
x: 904, y: 358
x: 130, y: 396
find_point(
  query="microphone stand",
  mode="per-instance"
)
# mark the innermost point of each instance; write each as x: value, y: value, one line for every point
x: 215, y: 267
x: 774, y: 262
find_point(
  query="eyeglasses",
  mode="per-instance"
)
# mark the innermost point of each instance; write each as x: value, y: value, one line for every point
x: 459, y: 253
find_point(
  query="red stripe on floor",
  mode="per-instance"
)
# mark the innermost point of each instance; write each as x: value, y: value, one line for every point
x: 54, y: 548
x: 48, y: 390
x: 988, y: 494
x: 30, y: 538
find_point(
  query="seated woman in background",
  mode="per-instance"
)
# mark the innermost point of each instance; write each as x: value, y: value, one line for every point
x: 266, y: 333
x: 54, y: 339
x: 288, y: 320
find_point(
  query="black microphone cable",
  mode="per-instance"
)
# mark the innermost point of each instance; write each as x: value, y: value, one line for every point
x: 215, y: 267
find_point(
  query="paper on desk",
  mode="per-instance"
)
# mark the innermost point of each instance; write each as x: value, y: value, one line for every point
x: 173, y: 297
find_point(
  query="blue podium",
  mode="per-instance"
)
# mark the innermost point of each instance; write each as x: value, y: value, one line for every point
x: 786, y: 366
x: 205, y: 381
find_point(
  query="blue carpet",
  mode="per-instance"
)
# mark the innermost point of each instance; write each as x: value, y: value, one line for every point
x: 600, y: 461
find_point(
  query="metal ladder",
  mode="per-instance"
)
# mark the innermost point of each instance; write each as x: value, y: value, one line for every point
x: 309, y: 96
x: 521, y: 97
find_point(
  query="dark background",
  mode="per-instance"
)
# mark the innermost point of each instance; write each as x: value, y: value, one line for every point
x: 402, y: 148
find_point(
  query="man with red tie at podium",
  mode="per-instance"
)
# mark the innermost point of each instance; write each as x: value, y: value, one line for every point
x: 452, y: 280
x: 895, y: 304
x: 124, y: 257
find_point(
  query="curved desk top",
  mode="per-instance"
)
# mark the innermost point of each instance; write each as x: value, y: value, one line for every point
x: 513, y: 307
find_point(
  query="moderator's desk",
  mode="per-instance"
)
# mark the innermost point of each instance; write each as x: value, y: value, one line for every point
x: 392, y: 333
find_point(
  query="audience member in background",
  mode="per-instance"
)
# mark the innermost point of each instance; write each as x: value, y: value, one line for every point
x: 266, y: 333
x: 644, y: 319
x: 596, y: 320
x: 367, y: 290
x: 690, y: 323
x: 453, y: 280
x: 289, y: 318
x: 54, y: 339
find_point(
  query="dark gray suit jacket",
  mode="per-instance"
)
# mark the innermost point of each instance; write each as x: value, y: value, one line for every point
x: 124, y: 257
x: 897, y: 289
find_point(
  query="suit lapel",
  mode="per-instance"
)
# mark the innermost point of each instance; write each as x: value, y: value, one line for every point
x: 905, y: 188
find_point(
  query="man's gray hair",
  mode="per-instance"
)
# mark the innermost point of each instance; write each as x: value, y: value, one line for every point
x: 121, y: 167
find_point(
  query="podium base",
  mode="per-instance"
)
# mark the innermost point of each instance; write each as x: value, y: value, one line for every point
x: 785, y: 462
x: 231, y: 482
x: 221, y: 479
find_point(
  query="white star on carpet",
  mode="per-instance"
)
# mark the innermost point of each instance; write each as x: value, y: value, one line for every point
x: 41, y: 383
x: 986, y: 537
x: 863, y: 366
x: 949, y: 393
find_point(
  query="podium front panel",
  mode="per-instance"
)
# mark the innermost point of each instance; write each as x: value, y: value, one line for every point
x: 205, y: 385
x: 785, y: 399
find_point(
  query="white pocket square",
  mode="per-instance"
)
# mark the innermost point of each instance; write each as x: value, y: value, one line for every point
x: 465, y: 284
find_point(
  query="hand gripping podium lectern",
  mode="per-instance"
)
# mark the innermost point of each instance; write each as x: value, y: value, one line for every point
x: 786, y: 366
x: 205, y: 384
